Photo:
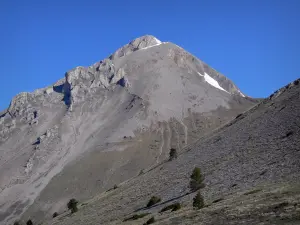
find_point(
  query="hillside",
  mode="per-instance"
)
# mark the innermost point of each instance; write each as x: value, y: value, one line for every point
x: 251, y: 167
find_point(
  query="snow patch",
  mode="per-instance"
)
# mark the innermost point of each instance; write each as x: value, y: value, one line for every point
x: 212, y: 81
x: 158, y: 41
x: 151, y: 46
x: 241, y: 94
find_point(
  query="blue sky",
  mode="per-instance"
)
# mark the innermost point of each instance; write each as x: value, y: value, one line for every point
x: 254, y: 43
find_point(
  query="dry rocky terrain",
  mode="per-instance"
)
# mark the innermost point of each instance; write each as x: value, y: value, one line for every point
x: 114, y: 123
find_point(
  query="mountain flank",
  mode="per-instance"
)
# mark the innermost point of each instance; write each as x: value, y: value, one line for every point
x: 251, y: 167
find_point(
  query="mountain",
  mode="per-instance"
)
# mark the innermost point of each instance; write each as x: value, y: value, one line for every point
x: 102, y: 125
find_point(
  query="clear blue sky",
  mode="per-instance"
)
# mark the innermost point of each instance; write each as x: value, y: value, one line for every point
x: 255, y: 43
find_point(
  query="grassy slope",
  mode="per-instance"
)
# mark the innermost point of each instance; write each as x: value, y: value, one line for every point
x: 276, y: 204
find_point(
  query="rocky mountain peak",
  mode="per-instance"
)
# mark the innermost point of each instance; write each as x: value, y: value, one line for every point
x: 143, y: 42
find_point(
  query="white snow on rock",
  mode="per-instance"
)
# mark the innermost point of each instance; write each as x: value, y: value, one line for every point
x: 241, y: 94
x: 212, y: 81
x: 159, y: 43
x: 149, y: 46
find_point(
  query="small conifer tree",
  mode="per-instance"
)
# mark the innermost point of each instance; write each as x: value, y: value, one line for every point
x: 198, y: 201
x: 150, y: 221
x: 172, y: 154
x: 153, y: 201
x: 72, y: 205
x: 197, y: 179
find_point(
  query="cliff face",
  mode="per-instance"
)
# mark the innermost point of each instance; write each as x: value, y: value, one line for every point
x: 128, y: 109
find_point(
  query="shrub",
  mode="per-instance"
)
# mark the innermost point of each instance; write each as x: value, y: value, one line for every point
x: 172, y: 154
x: 169, y: 207
x: 113, y: 188
x: 141, y: 172
x: 55, y: 215
x: 29, y: 222
x: 198, y: 201
x: 173, y: 207
x: 136, y: 216
x: 176, y: 207
x: 150, y: 221
x: 196, y: 180
x: 153, y: 201
x: 17, y: 223
x: 72, y: 205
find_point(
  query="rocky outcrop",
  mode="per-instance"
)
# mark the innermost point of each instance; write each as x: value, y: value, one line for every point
x: 20, y: 103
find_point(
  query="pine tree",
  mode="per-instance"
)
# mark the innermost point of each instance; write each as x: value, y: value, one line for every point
x: 29, y: 222
x: 72, y: 205
x: 173, y: 154
x: 198, y: 201
x: 196, y: 180
x: 153, y: 201
x: 150, y: 221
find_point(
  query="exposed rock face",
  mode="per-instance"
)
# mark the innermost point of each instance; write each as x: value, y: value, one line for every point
x: 154, y: 92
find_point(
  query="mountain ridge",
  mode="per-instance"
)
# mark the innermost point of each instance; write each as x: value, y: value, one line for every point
x: 145, y: 41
